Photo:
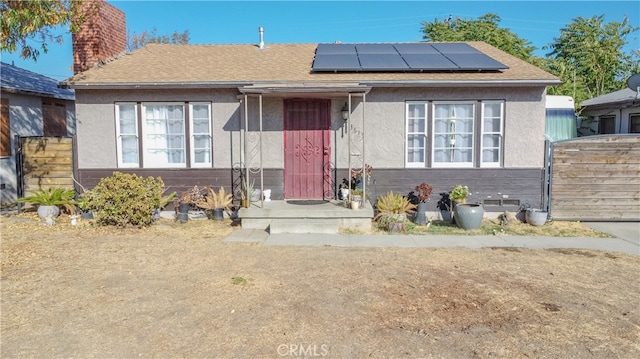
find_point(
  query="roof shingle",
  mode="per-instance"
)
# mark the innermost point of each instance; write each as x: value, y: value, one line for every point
x: 158, y: 64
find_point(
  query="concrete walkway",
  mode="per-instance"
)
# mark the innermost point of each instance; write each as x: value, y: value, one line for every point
x: 629, y: 244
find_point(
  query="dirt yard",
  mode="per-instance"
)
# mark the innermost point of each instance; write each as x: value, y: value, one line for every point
x: 178, y: 291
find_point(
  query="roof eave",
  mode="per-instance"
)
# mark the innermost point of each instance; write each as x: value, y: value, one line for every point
x: 461, y: 83
x: 150, y: 85
x: 38, y: 93
x: 608, y: 105
x: 366, y: 83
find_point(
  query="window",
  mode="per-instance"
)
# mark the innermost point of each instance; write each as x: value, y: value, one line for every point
x: 453, y: 134
x: 492, y: 134
x: 127, y: 134
x: 607, y: 125
x: 634, y: 123
x: 54, y: 118
x: 164, y: 135
x: 5, y: 128
x: 416, y: 134
x: 200, y: 126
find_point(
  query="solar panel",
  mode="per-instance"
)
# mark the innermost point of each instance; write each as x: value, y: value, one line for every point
x: 477, y: 61
x: 336, y: 63
x: 336, y: 49
x: 432, y: 62
x: 454, y: 48
x: 403, y: 57
x: 381, y: 62
x: 367, y: 49
x: 420, y: 48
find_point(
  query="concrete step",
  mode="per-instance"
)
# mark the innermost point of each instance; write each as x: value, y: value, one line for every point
x: 303, y: 225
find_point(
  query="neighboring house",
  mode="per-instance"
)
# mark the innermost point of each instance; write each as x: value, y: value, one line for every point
x: 194, y: 114
x: 32, y: 105
x: 615, y: 112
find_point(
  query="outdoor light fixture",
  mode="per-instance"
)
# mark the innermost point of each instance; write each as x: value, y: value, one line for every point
x: 345, y: 112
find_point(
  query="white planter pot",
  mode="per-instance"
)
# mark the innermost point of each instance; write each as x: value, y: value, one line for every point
x: 48, y: 211
x: 536, y: 217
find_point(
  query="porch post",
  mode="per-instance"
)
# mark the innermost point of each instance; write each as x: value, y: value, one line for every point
x: 261, y: 164
x: 244, y: 145
x: 364, y: 162
x: 349, y: 145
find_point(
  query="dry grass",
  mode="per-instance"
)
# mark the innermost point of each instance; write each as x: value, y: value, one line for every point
x: 178, y: 290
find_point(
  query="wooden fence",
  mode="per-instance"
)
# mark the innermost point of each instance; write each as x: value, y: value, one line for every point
x: 46, y: 162
x: 596, y: 178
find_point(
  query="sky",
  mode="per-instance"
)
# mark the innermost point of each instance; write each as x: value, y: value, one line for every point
x: 237, y: 22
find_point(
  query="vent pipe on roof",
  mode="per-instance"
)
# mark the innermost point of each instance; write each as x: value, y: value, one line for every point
x: 261, y: 44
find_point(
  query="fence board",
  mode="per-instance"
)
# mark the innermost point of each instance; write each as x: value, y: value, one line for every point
x: 596, y: 178
x: 47, y: 162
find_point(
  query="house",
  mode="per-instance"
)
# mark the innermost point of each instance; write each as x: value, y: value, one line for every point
x: 32, y: 106
x: 615, y: 112
x: 296, y: 117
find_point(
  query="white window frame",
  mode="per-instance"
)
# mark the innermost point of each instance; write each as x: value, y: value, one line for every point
x: 193, y: 134
x: 119, y: 134
x: 435, y: 164
x: 148, y: 163
x: 500, y: 148
x: 407, y: 134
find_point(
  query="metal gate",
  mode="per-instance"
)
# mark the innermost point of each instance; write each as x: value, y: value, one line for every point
x: 307, y: 149
x: 596, y: 178
x: 43, y: 162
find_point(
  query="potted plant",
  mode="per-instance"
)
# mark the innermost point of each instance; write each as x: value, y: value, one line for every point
x: 84, y: 204
x: 392, y: 211
x: 459, y: 194
x: 467, y: 216
x: 534, y: 216
x: 246, y: 193
x: 421, y: 195
x: 216, y: 202
x: 187, y: 202
x: 445, y: 206
x: 49, y: 199
x: 344, y: 189
x: 356, y: 198
x: 359, y: 175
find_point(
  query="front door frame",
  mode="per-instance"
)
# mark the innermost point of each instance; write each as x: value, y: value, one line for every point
x: 307, y: 148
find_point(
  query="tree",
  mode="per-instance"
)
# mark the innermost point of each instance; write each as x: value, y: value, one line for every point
x: 136, y: 41
x: 589, y: 57
x: 485, y: 28
x: 23, y: 22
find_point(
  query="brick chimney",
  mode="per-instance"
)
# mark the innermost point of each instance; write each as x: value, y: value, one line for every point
x: 103, y: 35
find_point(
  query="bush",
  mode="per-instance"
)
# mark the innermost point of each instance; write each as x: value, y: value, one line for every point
x: 126, y: 199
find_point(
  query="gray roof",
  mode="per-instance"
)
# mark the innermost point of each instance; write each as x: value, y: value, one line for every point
x: 617, y: 97
x: 15, y: 79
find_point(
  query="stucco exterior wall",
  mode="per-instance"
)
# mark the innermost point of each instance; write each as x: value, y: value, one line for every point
x: 380, y: 121
x: 25, y: 117
x: 96, y: 125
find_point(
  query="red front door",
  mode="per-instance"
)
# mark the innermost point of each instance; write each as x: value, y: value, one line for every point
x: 307, y: 149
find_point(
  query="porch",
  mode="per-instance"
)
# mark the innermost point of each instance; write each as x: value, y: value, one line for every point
x: 299, y: 216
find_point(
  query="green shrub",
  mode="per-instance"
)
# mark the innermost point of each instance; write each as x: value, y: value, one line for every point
x: 126, y: 199
x: 52, y: 196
